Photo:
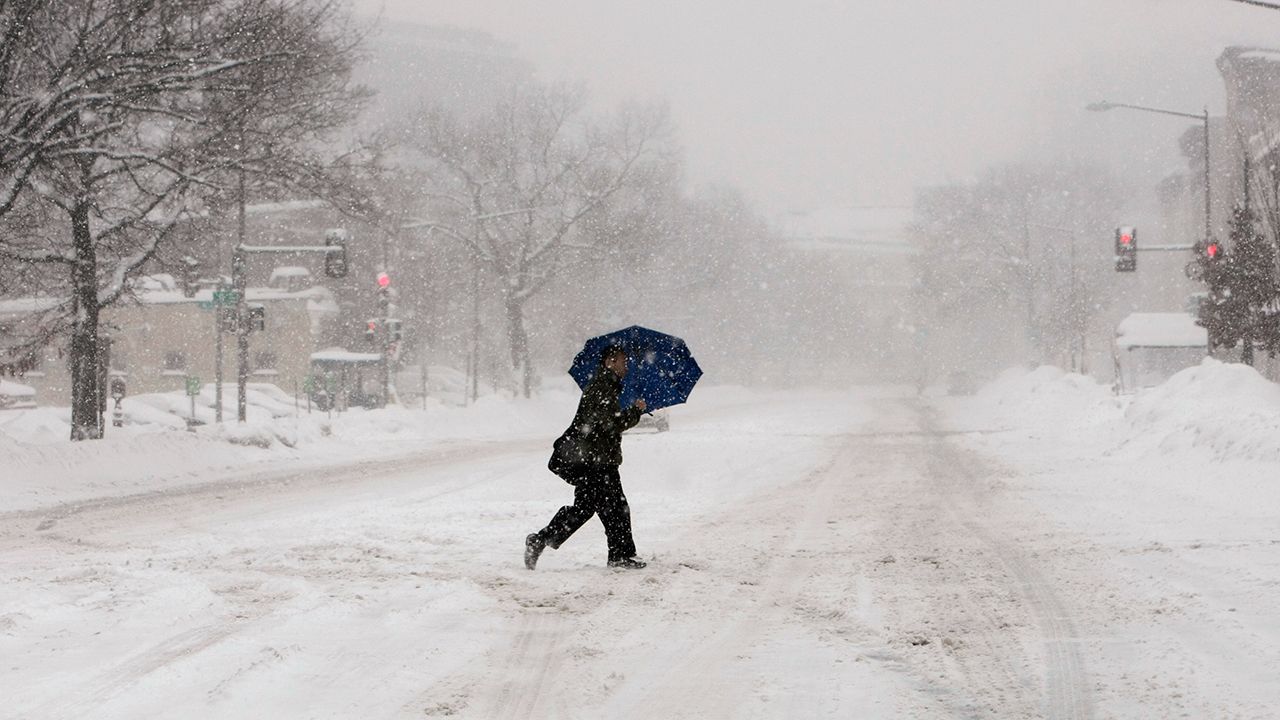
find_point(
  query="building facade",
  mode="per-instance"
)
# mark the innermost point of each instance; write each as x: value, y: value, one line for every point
x: 161, y: 338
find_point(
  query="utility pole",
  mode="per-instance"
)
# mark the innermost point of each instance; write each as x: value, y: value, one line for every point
x: 1208, y: 228
x: 475, y: 334
x: 240, y: 280
x: 217, y: 357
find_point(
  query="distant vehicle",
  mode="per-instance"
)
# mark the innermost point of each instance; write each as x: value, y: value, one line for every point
x: 658, y: 420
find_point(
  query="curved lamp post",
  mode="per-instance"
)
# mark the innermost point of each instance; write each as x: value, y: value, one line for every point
x: 1203, y: 117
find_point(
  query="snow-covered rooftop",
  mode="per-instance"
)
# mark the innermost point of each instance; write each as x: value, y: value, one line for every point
x: 319, y: 299
x: 342, y: 355
x: 283, y: 207
x: 25, y: 305
x: 1160, y: 330
x: 8, y: 388
x: 290, y: 271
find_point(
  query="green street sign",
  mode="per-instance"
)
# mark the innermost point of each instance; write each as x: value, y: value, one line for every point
x: 226, y: 297
x: 193, y: 385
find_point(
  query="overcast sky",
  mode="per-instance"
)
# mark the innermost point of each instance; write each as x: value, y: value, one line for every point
x: 812, y: 103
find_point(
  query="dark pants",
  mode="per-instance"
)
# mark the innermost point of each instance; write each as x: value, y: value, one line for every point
x: 596, y: 490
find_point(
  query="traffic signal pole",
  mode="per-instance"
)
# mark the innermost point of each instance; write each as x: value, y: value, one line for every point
x: 1208, y: 228
x: 240, y: 281
x: 385, y: 369
x: 217, y: 359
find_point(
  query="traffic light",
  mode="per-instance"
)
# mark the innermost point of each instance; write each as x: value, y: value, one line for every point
x: 335, y: 261
x: 227, y: 319
x: 395, y: 330
x: 384, y: 293
x: 1126, y: 249
x: 371, y: 331
x: 1212, y: 251
x: 257, y: 318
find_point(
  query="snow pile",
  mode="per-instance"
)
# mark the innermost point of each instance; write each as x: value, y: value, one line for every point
x: 14, y: 394
x: 1228, y: 409
x: 54, y: 469
x: 154, y: 450
x: 1040, y: 398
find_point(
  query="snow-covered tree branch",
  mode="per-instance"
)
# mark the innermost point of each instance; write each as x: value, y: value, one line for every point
x: 118, y: 116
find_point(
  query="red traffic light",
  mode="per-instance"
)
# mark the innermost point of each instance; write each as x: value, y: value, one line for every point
x: 1211, y: 250
x: 383, y: 280
x: 373, y: 326
x: 1126, y: 239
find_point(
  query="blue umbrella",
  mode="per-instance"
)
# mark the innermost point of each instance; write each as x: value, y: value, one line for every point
x: 662, y: 371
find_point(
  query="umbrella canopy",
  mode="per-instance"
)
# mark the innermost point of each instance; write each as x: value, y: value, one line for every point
x: 661, y: 370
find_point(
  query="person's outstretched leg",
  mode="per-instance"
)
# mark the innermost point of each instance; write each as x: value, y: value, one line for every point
x: 567, y: 520
x: 615, y: 514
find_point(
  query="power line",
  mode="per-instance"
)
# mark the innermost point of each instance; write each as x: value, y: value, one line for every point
x: 1259, y: 3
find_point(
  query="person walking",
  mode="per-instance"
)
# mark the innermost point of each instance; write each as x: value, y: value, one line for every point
x: 587, y: 456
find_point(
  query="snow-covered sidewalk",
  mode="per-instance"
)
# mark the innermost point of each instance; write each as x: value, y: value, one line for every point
x: 153, y: 452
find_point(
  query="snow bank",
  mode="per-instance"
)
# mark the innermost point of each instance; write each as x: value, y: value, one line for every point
x: 1228, y: 410
x: 155, y: 451
x: 1044, y: 397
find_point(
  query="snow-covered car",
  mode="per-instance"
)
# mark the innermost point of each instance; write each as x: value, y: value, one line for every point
x: 16, y: 395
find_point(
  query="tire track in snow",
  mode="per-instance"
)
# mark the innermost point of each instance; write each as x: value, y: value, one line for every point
x: 687, y: 665
x: 530, y: 666
x: 86, y: 700
x: 957, y: 475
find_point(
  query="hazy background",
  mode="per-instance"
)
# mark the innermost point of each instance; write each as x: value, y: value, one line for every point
x: 815, y: 104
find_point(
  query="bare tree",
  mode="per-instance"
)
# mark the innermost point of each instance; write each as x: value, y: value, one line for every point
x: 142, y: 137
x: 1009, y: 251
x: 516, y: 186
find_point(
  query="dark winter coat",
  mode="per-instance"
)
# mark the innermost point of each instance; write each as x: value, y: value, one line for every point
x: 599, y: 422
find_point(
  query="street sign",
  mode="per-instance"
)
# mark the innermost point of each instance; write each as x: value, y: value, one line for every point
x: 309, y: 384
x: 226, y: 297
x: 193, y: 385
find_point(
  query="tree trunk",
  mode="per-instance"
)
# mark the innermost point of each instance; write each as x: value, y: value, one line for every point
x: 1246, y: 350
x: 86, y: 350
x: 519, y: 339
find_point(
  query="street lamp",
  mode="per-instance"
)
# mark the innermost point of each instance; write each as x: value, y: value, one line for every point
x: 1204, y: 117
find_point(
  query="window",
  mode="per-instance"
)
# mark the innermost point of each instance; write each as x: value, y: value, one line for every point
x: 264, y: 362
x: 175, y: 361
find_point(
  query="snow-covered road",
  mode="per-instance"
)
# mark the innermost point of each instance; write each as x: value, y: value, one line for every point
x: 861, y: 554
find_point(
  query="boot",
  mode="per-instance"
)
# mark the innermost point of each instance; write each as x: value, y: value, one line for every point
x: 630, y: 563
x: 533, y: 546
